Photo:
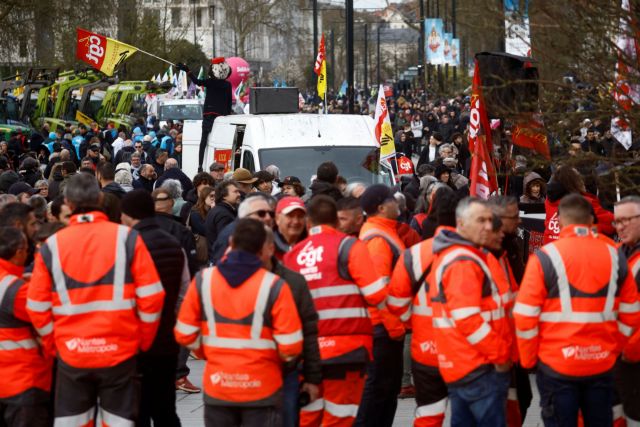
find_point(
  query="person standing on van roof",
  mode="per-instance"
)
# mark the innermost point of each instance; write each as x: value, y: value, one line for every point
x: 217, y: 101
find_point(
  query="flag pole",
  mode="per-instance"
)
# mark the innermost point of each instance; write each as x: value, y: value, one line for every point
x: 154, y: 56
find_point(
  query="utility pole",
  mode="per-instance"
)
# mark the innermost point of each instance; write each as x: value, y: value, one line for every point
x: 315, y: 29
x: 378, y: 76
x: 350, y: 88
x: 421, y: 51
x: 333, y: 60
x: 453, y: 31
x: 212, y: 15
x: 366, y: 60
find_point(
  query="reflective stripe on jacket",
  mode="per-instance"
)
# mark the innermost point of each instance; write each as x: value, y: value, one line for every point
x: 244, y: 333
x: 408, y: 299
x: 26, y: 373
x: 343, y: 283
x: 95, y: 292
x: 469, y: 310
x: 577, y: 305
x: 385, y: 247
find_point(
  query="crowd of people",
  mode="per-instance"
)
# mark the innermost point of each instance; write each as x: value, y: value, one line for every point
x: 311, y: 306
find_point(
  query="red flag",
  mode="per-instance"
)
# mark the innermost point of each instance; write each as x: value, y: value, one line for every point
x: 483, y: 173
x: 531, y: 134
x: 101, y: 52
x: 317, y: 68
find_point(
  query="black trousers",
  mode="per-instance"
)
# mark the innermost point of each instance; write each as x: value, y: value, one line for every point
x: 158, y: 397
x: 207, y: 124
x: 382, y: 386
x: 112, y: 394
x: 627, y: 378
x: 229, y: 416
x: 12, y: 415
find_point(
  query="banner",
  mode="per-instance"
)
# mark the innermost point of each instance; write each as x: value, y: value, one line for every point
x: 517, y: 29
x: 455, y: 53
x: 383, y: 130
x: 531, y: 134
x: 482, y: 174
x: 446, y: 49
x: 320, y: 69
x: 434, y: 46
x: 83, y: 118
x: 101, y: 52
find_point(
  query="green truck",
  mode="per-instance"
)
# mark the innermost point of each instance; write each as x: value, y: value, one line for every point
x: 9, y: 118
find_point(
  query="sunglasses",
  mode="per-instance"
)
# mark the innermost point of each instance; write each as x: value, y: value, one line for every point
x: 262, y: 213
x: 161, y: 199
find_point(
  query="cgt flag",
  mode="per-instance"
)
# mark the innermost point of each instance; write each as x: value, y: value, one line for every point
x: 101, y: 52
x: 384, y: 132
x: 482, y: 174
x: 320, y: 68
x: 531, y: 134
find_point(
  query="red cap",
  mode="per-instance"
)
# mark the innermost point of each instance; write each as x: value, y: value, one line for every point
x: 288, y: 204
x: 218, y: 60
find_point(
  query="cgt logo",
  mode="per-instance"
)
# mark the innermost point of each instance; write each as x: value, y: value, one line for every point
x: 309, y: 255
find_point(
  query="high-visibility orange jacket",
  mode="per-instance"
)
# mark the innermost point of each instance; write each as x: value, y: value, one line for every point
x: 25, y: 370
x: 469, y: 316
x: 385, y: 247
x: 408, y: 299
x: 577, y: 305
x: 95, y: 295
x: 339, y: 272
x: 632, y: 350
x: 244, y: 332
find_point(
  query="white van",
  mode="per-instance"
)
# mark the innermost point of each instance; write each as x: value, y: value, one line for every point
x: 296, y: 143
x: 179, y: 110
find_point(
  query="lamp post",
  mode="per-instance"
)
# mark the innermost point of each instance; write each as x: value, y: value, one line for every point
x: 212, y: 15
x: 350, y: 70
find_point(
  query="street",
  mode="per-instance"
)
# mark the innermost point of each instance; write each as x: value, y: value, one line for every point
x: 189, y: 406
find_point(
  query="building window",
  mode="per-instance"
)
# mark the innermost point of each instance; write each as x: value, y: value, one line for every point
x: 175, y: 17
x: 199, y: 16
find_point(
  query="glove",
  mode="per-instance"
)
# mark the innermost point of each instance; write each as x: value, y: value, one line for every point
x: 180, y: 66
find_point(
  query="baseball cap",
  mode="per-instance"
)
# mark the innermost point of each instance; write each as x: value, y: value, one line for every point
x: 22, y: 187
x: 243, y: 176
x: 290, y: 180
x: 374, y: 196
x: 216, y: 166
x: 288, y: 204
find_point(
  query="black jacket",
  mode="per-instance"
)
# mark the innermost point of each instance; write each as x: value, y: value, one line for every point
x: 168, y: 259
x: 115, y: 189
x: 143, y: 183
x: 172, y: 225
x: 218, y: 98
x: 176, y: 173
x: 218, y: 218
x: 311, y: 368
x: 326, y: 188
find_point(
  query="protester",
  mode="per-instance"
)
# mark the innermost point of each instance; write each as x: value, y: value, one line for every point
x: 216, y: 170
x: 291, y: 186
x: 275, y: 329
x: 74, y: 325
x: 244, y: 180
x: 574, y: 341
x: 627, y: 371
x: 325, y: 182
x: 26, y: 380
x: 147, y: 178
x: 350, y: 216
x: 332, y: 261
x: 157, y: 365
x: 228, y: 197
x: 290, y: 221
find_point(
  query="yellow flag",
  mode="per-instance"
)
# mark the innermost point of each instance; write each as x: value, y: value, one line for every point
x: 320, y: 68
x: 101, y: 52
x: 383, y: 129
x: 83, y: 118
x: 18, y: 91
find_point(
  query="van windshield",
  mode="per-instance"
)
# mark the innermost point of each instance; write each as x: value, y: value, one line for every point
x: 180, y: 112
x: 302, y: 162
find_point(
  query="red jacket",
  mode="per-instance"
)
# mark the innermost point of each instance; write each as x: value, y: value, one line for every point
x: 577, y: 305
x: 470, y: 321
x: 25, y: 369
x: 632, y: 350
x: 244, y: 333
x: 338, y: 271
x: 95, y: 292
x: 552, y: 225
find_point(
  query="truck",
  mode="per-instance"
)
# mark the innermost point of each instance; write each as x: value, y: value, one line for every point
x: 10, y: 118
x: 179, y: 110
x: 123, y: 99
x: 296, y: 143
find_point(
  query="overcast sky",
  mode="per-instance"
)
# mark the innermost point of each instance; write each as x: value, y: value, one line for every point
x: 369, y: 4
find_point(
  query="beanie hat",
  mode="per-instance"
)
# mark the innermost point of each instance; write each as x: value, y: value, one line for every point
x: 374, y: 196
x: 7, y: 179
x: 138, y: 204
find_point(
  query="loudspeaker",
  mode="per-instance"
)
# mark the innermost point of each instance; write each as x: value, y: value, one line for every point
x: 509, y: 84
x: 273, y: 100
